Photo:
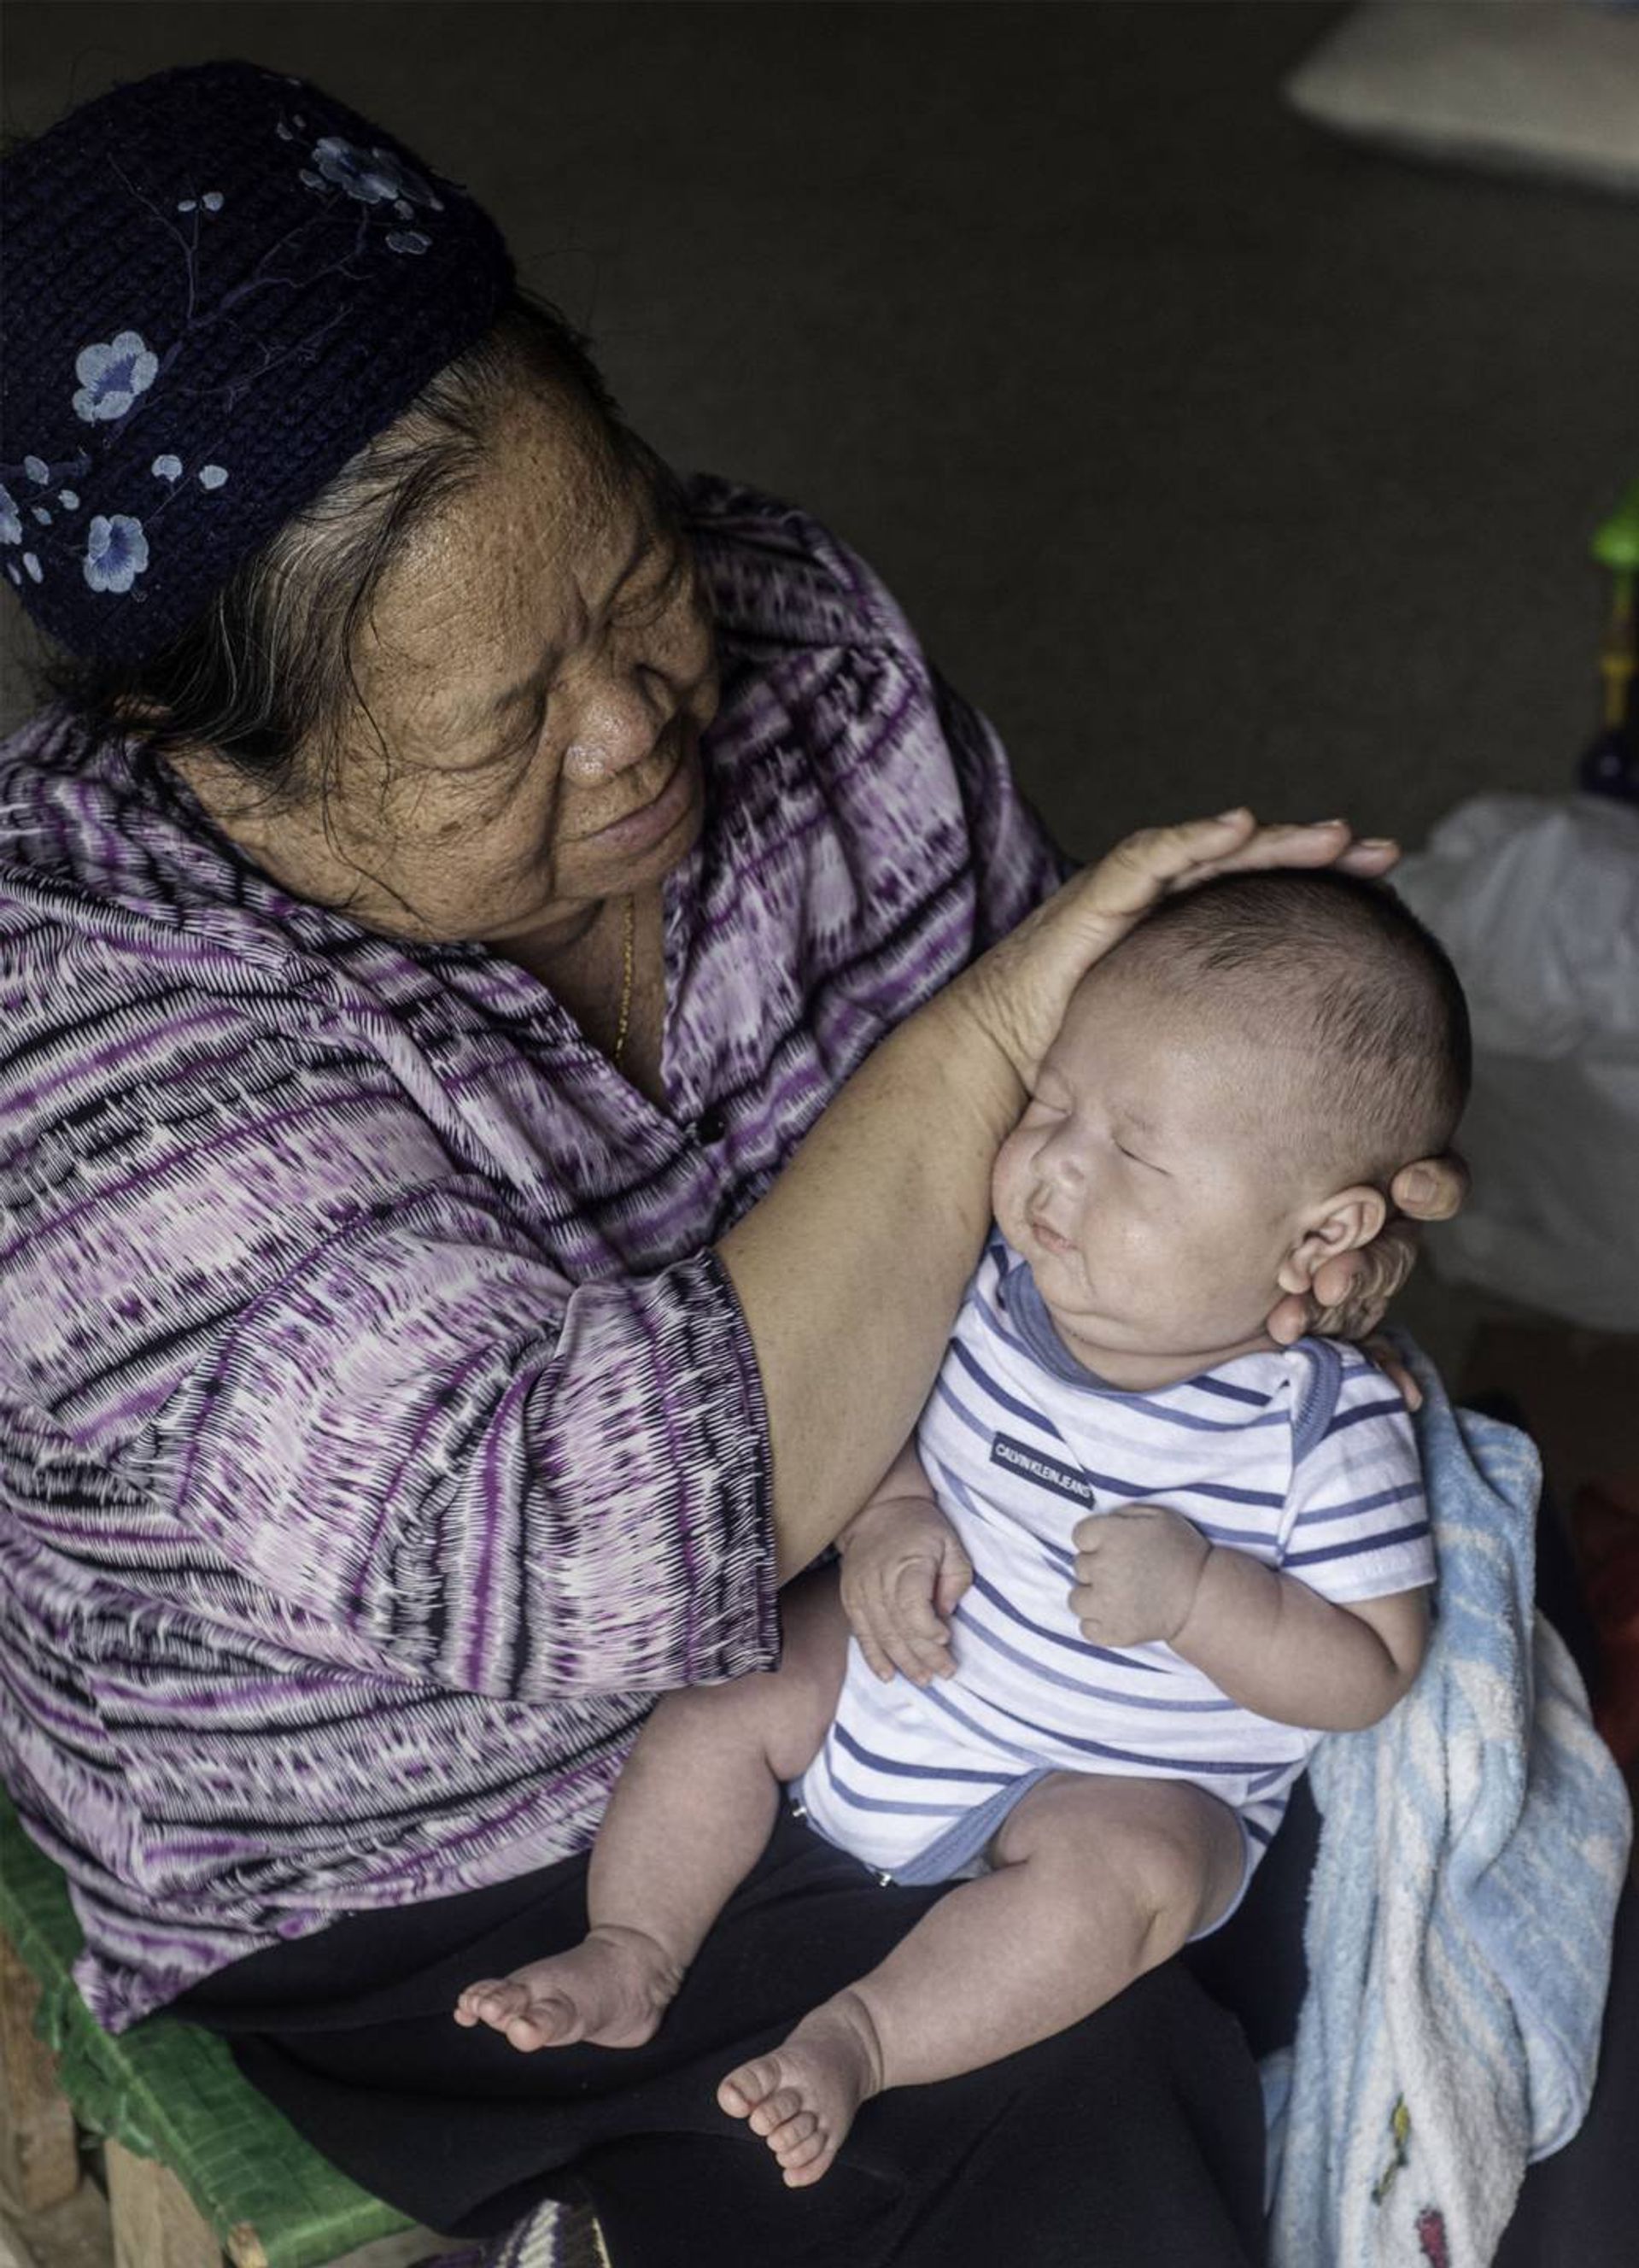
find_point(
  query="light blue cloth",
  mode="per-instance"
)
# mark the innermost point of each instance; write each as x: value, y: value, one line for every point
x: 1472, y: 1850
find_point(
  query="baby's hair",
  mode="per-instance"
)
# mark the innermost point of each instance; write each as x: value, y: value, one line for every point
x: 1339, y: 971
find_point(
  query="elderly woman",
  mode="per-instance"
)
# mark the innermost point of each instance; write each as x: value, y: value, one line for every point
x: 507, y: 1027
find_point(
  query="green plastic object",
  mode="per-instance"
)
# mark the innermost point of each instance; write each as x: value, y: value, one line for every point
x: 171, y: 2092
x: 1616, y: 540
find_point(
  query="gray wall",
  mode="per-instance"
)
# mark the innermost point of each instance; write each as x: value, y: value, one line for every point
x: 1216, y: 460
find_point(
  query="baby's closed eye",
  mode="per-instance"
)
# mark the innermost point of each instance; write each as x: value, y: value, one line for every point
x: 1137, y: 1157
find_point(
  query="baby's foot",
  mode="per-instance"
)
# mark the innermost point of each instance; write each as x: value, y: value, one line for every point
x: 802, y: 2098
x: 611, y: 1990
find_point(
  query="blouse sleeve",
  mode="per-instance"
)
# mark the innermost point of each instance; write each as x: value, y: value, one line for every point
x: 346, y: 1363
x: 1015, y: 862
x: 785, y: 584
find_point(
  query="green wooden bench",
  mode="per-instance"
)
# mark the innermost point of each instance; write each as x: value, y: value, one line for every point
x: 198, y: 2164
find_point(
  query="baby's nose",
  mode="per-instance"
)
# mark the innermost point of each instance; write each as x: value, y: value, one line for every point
x: 1061, y: 1165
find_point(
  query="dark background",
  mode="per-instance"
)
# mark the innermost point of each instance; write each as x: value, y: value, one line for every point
x: 1216, y: 459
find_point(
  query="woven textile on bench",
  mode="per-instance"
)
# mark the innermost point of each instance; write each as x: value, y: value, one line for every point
x: 171, y: 2092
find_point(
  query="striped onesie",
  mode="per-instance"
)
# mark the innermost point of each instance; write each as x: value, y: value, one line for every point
x: 1304, y: 1457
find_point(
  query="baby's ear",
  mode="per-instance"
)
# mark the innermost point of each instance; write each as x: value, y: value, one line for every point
x: 1340, y: 1224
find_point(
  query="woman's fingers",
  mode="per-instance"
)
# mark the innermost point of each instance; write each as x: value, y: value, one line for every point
x: 1022, y: 987
x: 1431, y: 1188
x: 1314, y: 843
x: 1127, y: 882
x: 1372, y: 855
x: 1388, y: 1361
x: 1350, y: 1293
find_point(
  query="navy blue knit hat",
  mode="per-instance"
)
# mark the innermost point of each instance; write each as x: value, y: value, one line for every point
x: 219, y: 284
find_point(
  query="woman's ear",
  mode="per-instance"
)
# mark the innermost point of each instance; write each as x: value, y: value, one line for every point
x: 1340, y: 1224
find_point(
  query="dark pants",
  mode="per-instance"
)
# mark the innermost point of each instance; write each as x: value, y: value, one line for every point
x: 1136, y: 2137
x: 1141, y: 2127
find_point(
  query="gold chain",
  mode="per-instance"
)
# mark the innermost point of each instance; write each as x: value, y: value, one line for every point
x: 627, y: 965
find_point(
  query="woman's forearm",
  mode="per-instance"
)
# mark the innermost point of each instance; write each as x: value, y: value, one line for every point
x: 850, y: 1269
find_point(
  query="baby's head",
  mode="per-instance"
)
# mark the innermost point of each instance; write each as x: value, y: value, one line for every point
x: 1228, y: 1098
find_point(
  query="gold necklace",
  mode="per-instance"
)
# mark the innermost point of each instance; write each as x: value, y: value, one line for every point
x: 627, y: 965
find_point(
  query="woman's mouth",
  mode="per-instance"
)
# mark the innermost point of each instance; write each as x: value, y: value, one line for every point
x: 641, y: 829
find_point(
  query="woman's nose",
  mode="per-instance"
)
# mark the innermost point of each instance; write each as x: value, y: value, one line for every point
x: 617, y: 728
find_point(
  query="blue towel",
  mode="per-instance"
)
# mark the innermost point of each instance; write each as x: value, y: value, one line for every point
x: 1472, y: 1851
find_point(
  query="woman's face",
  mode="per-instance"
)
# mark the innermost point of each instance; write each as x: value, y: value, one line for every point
x: 539, y: 671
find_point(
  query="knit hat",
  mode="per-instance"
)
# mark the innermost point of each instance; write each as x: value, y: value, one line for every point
x: 218, y: 284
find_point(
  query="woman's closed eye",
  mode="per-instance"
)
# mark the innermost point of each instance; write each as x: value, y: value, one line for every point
x: 654, y: 589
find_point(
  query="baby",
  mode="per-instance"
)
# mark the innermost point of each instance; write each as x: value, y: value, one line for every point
x: 1136, y: 1559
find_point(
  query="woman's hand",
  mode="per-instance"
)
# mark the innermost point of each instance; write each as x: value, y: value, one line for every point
x: 1020, y: 988
x: 903, y: 1572
x: 1349, y: 1294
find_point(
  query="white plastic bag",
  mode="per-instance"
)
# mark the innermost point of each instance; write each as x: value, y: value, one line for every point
x: 1536, y: 898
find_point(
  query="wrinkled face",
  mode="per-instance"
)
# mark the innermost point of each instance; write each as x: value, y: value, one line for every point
x: 1142, y: 1185
x: 540, y: 668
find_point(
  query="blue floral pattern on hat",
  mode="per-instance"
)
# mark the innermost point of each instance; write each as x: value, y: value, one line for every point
x: 152, y: 457
x: 112, y: 376
x: 116, y: 552
x: 374, y: 177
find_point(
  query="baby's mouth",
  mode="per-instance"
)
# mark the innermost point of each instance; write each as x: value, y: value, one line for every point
x: 1047, y: 1237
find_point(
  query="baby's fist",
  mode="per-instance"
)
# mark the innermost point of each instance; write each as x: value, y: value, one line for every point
x: 1137, y: 1573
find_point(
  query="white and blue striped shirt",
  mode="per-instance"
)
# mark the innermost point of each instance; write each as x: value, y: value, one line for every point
x: 1303, y: 1456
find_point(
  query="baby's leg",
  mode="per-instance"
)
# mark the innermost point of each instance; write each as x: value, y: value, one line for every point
x: 690, y: 1816
x: 1096, y: 1881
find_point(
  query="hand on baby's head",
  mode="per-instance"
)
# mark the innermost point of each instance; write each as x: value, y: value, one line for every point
x: 1230, y: 1094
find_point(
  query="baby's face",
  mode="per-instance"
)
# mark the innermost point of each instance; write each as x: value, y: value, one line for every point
x: 1142, y: 1184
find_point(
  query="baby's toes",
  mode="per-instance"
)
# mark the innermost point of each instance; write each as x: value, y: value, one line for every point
x: 540, y: 2023
x: 745, y: 2087
x: 808, y: 2161
x: 795, y: 2135
x: 493, y: 2002
x: 774, y: 2112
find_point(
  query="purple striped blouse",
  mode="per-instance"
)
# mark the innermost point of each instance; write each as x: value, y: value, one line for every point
x: 377, y: 1429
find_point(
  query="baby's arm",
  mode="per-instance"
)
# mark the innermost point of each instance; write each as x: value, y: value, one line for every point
x: 903, y: 1572
x: 1283, y: 1651
x: 1263, y: 1638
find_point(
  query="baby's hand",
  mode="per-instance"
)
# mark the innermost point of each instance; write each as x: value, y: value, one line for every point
x: 1137, y: 1572
x: 902, y: 1572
